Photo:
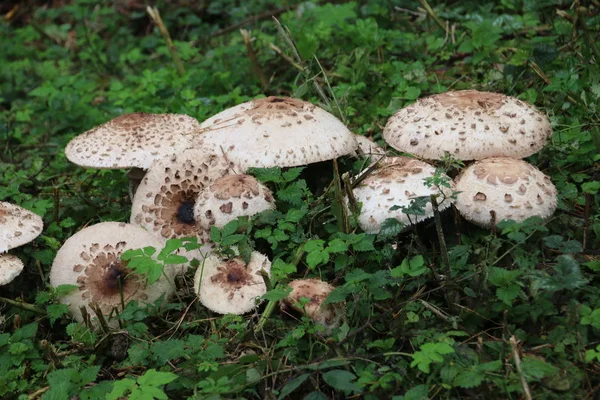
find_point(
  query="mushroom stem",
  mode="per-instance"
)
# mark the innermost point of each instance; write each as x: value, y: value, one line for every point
x: 23, y: 305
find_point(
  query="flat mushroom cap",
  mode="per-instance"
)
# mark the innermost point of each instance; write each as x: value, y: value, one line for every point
x: 164, y: 201
x: 470, y: 125
x: 329, y: 315
x: 18, y: 226
x: 231, y: 286
x: 10, y: 267
x: 513, y: 189
x: 230, y: 197
x: 396, y: 182
x: 277, y: 131
x: 91, y: 259
x: 131, y: 140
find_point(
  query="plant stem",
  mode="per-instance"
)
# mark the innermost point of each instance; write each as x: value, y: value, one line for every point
x: 258, y: 71
x: 155, y: 15
x: 23, y: 305
x: 517, y: 359
x: 433, y: 15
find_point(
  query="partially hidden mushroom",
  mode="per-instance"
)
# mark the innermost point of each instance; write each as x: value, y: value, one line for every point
x: 396, y: 183
x: 229, y: 197
x: 367, y: 147
x: 512, y: 189
x: 469, y: 125
x: 276, y: 131
x: 91, y: 260
x: 232, y: 286
x: 132, y: 141
x: 316, y: 292
x: 10, y: 267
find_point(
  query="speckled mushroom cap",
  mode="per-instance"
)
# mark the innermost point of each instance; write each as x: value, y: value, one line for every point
x: 367, y: 147
x: 231, y: 286
x: 164, y: 201
x: 131, y: 140
x: 277, y: 131
x: 396, y: 182
x: 514, y: 189
x: 230, y: 197
x: 329, y: 315
x: 18, y: 226
x: 470, y: 125
x: 91, y: 259
x: 10, y: 267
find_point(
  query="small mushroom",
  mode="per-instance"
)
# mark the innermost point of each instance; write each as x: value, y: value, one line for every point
x: 91, y: 260
x: 229, y: 197
x: 10, y: 267
x: 397, y: 182
x: 470, y: 125
x: 276, y: 131
x: 316, y: 290
x: 231, y: 286
x: 513, y: 189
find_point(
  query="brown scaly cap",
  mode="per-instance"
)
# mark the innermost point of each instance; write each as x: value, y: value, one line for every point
x: 230, y: 197
x: 91, y: 259
x: 231, y: 286
x: 276, y: 131
x: 131, y: 140
x: 470, y: 125
x: 18, y: 226
x: 513, y: 189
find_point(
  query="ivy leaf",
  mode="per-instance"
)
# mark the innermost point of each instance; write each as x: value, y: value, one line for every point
x: 341, y: 380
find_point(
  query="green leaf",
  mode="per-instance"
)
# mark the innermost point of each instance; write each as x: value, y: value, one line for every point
x: 341, y: 380
x: 230, y: 228
x: 316, y: 396
x: 292, y: 174
x: 153, y: 377
x: 277, y: 294
x: 55, y: 311
x: 508, y: 294
x: 430, y: 353
x: 317, y: 257
x: 292, y: 385
x: 337, y: 246
x: 413, y: 267
x: 266, y: 175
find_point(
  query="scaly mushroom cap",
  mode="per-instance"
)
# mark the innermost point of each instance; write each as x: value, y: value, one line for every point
x: 470, y: 125
x: 231, y: 286
x: 513, y: 189
x: 230, y: 197
x: 277, y: 131
x: 18, y: 226
x: 367, y: 147
x: 329, y: 315
x: 396, y: 182
x: 10, y: 267
x: 164, y: 201
x: 131, y: 140
x: 91, y: 259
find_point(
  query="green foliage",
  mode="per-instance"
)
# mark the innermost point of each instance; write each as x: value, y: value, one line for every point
x: 146, y: 387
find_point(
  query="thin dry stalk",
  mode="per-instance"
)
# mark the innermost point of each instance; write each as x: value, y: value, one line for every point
x: 517, y: 359
x: 155, y: 15
x: 258, y: 71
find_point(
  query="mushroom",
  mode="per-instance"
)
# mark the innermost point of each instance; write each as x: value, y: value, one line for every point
x: 277, y: 131
x: 368, y: 147
x: 231, y: 286
x: 131, y: 141
x: 229, y: 197
x: 10, y: 267
x: 91, y: 260
x: 18, y: 226
x: 164, y: 201
x: 513, y: 189
x: 470, y: 125
x: 316, y: 290
x: 397, y: 182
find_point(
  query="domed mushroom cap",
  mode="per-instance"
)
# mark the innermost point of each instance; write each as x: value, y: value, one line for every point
x: 277, y: 131
x: 329, y: 315
x: 91, y: 259
x: 18, y: 226
x: 513, y: 189
x: 131, y: 140
x: 231, y: 286
x: 230, y: 197
x: 397, y: 182
x: 470, y: 125
x: 10, y: 267
x: 367, y: 147
x: 164, y: 201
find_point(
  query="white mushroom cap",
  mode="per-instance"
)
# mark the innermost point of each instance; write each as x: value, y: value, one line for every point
x: 396, y: 182
x: 164, y: 201
x: 470, y: 125
x: 513, y: 189
x: 91, y: 259
x: 367, y: 147
x: 18, y: 226
x: 329, y: 315
x: 230, y: 197
x: 277, y: 131
x: 131, y: 140
x: 10, y: 267
x: 231, y: 286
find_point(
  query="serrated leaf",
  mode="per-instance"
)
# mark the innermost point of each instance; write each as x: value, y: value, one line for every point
x: 337, y: 246
x: 317, y: 257
x: 508, y: 294
x: 292, y: 174
x: 230, y: 228
x: 265, y: 175
x: 168, y: 350
x: 390, y: 227
x: 55, y: 311
x: 341, y: 380
x: 277, y: 294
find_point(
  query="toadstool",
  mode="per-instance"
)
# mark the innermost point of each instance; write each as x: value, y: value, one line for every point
x: 10, y: 267
x: 18, y: 226
x: 513, y: 189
